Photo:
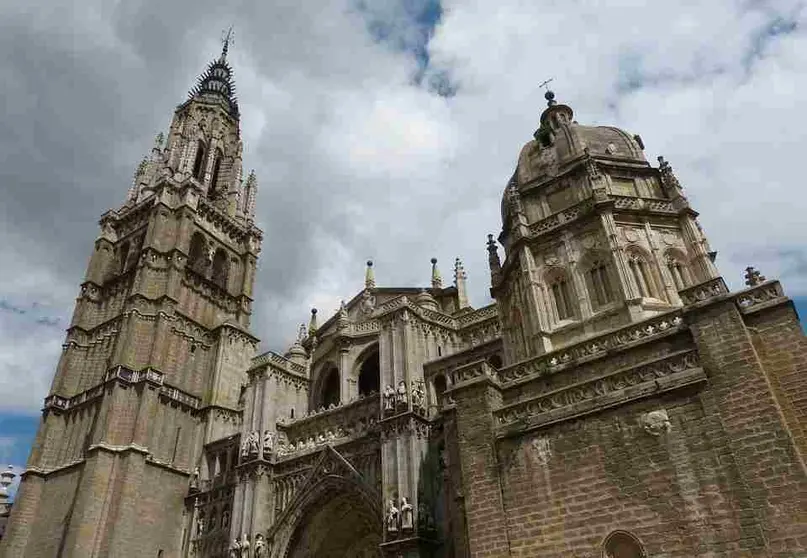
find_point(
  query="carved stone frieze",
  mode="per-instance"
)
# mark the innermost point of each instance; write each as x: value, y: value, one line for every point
x: 403, y: 424
x: 704, y: 291
x: 760, y: 295
x: 596, y: 393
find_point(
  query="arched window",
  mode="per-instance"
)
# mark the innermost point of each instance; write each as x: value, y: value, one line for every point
x: 123, y: 256
x: 220, y: 268
x: 197, y: 258
x: 678, y: 271
x: 641, y: 275
x: 621, y: 544
x: 598, y: 281
x: 199, y: 161
x: 213, y: 191
x: 330, y: 388
x: 561, y: 295
x: 370, y: 374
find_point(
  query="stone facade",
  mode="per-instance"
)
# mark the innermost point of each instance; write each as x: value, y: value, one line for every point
x: 616, y: 400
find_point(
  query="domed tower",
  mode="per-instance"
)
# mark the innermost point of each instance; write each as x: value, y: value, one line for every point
x: 594, y: 237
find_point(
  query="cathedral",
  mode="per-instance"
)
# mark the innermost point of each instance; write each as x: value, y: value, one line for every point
x: 615, y: 400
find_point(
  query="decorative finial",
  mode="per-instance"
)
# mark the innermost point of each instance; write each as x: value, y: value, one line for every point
x: 301, y: 333
x: 459, y: 281
x: 369, y: 276
x: 342, y: 309
x: 312, y: 325
x: 493, y: 256
x: 753, y: 277
x: 549, y: 95
x: 158, y: 140
x: 437, y: 280
x: 227, y: 40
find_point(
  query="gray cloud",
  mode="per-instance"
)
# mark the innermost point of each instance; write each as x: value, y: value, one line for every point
x: 355, y: 161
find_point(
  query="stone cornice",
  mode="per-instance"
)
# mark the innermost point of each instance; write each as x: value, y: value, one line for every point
x: 759, y: 297
x: 279, y: 364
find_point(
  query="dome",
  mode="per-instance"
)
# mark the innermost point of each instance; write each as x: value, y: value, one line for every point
x: 561, y: 141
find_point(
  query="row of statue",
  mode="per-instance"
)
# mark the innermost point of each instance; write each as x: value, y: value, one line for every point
x: 396, y: 398
x: 240, y: 548
x: 402, y: 519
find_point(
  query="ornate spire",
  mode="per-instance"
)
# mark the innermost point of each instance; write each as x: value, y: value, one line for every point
x: 753, y: 277
x: 459, y: 281
x: 369, y: 276
x: 226, y: 41
x: 216, y: 82
x: 437, y: 280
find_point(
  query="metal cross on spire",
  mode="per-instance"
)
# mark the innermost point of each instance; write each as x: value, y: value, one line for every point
x: 227, y: 40
x: 546, y: 83
x: 549, y: 95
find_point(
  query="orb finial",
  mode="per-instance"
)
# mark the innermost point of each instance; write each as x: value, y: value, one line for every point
x: 369, y: 276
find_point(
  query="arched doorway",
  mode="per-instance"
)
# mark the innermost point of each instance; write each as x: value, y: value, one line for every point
x: 329, y: 388
x: 339, y: 526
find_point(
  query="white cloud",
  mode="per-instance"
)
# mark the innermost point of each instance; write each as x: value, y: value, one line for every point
x: 356, y: 162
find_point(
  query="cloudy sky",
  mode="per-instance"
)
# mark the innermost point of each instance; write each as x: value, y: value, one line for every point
x: 381, y: 129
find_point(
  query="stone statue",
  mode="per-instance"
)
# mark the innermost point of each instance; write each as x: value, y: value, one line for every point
x: 252, y: 443
x: 260, y: 546
x: 367, y: 302
x: 244, y: 545
x: 235, y: 549
x: 401, y: 393
x: 418, y: 395
x: 407, y: 515
x: 195, y: 479
x: 389, y: 398
x: 393, y: 516
x: 268, y: 442
x: 200, y: 525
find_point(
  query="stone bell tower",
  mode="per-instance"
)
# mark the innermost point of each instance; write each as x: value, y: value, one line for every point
x: 594, y: 237
x: 157, y: 349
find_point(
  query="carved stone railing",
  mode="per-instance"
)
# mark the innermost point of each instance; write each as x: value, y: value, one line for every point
x: 760, y: 296
x: 704, y: 291
x: 562, y: 217
x: 643, y: 204
x: 673, y: 371
x: 128, y: 376
x: 330, y: 426
x: 485, y: 313
x: 664, y: 324
x: 364, y: 327
x: 469, y: 373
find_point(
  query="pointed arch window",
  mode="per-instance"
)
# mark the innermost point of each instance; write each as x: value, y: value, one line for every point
x: 641, y: 275
x: 678, y: 271
x: 197, y: 258
x: 199, y: 161
x: 220, y: 268
x: 561, y: 295
x: 599, y: 284
x: 214, y: 192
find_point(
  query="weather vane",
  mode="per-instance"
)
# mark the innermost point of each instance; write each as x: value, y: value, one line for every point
x: 546, y: 83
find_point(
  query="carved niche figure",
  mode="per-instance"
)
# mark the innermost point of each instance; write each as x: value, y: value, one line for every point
x: 235, y: 549
x: 389, y: 398
x: 393, y: 516
x: 407, y: 515
x: 418, y: 395
x: 244, y: 545
x: 268, y: 442
x: 656, y: 423
x: 260, y: 546
x: 200, y: 525
x: 367, y: 302
x: 401, y: 393
x: 194, y: 484
x: 252, y: 443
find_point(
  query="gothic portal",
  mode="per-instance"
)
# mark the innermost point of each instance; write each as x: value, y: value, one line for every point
x: 614, y: 400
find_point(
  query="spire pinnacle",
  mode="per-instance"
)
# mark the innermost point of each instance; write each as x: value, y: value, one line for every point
x: 437, y: 280
x: 227, y: 40
x: 459, y: 281
x: 369, y: 276
x: 312, y: 324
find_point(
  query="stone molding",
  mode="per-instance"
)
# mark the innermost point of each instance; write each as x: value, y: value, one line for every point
x: 407, y: 422
x: 671, y: 372
x: 279, y: 363
x: 597, y: 347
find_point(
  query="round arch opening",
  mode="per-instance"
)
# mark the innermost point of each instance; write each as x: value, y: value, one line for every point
x: 329, y: 391
x: 370, y: 373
